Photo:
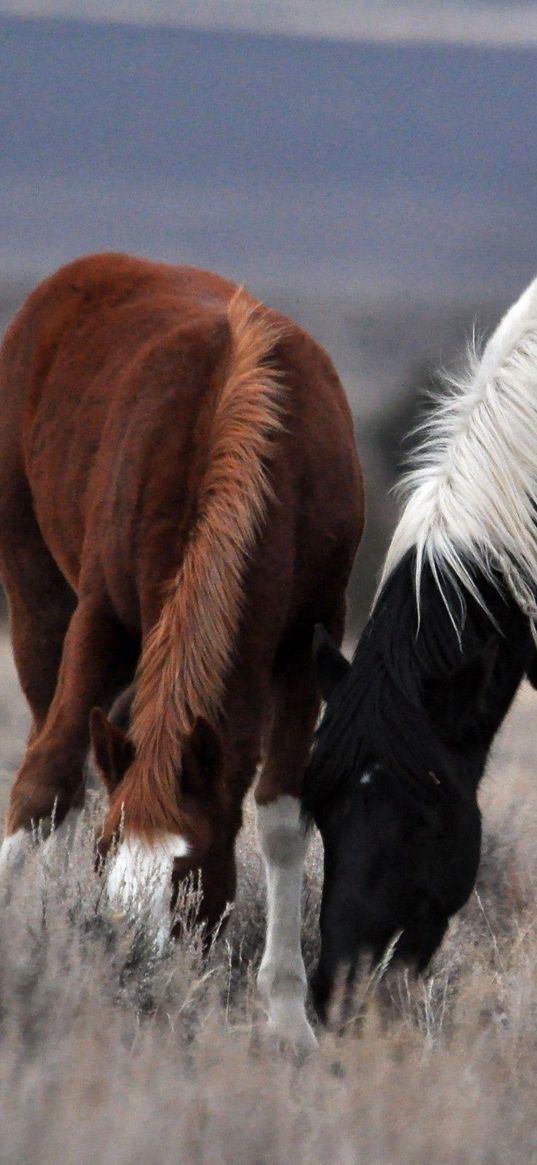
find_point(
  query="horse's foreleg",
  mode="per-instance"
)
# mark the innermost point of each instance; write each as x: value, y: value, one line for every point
x: 41, y: 605
x: 282, y: 840
x: 94, y: 666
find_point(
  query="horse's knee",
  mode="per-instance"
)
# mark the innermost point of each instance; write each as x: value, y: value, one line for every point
x: 281, y: 833
x: 39, y: 803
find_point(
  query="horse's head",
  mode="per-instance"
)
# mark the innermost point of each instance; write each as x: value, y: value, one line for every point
x: 398, y: 861
x: 190, y: 837
x: 400, y: 857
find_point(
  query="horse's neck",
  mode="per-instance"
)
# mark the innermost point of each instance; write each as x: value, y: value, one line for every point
x: 456, y: 680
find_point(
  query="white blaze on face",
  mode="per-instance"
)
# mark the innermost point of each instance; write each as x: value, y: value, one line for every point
x: 139, y: 879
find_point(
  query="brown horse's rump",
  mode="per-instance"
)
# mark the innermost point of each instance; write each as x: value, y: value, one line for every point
x: 180, y: 503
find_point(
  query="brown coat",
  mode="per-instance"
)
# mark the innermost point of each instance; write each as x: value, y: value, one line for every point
x: 180, y: 503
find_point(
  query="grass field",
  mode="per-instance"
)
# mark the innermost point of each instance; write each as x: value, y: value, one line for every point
x: 109, y: 1055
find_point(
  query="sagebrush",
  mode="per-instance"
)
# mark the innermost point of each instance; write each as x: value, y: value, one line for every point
x: 113, y: 1054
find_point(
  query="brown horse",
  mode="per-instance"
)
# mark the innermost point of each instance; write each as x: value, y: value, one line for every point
x: 180, y: 503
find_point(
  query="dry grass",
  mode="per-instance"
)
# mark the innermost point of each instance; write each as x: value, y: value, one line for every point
x: 110, y: 1055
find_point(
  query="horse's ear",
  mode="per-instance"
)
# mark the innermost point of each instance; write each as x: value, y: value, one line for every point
x: 202, y: 759
x: 330, y: 663
x: 113, y: 751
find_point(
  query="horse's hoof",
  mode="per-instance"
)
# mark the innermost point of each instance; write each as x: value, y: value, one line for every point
x: 297, y: 1037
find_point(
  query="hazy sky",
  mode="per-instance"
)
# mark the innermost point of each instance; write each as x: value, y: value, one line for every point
x: 328, y: 163
x: 455, y: 21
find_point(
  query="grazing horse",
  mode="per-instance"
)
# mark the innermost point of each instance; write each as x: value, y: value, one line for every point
x: 180, y: 503
x: 393, y: 779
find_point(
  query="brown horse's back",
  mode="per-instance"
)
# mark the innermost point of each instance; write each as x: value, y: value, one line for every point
x: 90, y: 367
x: 107, y: 384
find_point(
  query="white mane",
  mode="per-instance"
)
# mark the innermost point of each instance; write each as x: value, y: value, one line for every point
x: 471, y: 498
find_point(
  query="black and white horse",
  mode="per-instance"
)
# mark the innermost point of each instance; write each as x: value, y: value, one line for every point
x: 393, y: 780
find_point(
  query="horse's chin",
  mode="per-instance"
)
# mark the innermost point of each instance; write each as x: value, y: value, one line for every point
x: 212, y: 880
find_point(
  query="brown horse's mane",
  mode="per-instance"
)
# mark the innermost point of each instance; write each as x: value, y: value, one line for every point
x: 186, y: 657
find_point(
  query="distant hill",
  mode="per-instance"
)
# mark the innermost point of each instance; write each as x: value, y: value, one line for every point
x: 350, y: 166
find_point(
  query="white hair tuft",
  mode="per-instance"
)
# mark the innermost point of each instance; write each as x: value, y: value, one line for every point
x: 471, y: 496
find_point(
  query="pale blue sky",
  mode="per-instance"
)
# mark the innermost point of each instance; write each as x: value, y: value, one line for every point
x: 447, y: 21
x: 326, y: 164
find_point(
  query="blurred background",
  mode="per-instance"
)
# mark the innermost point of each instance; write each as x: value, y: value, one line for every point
x: 370, y: 168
